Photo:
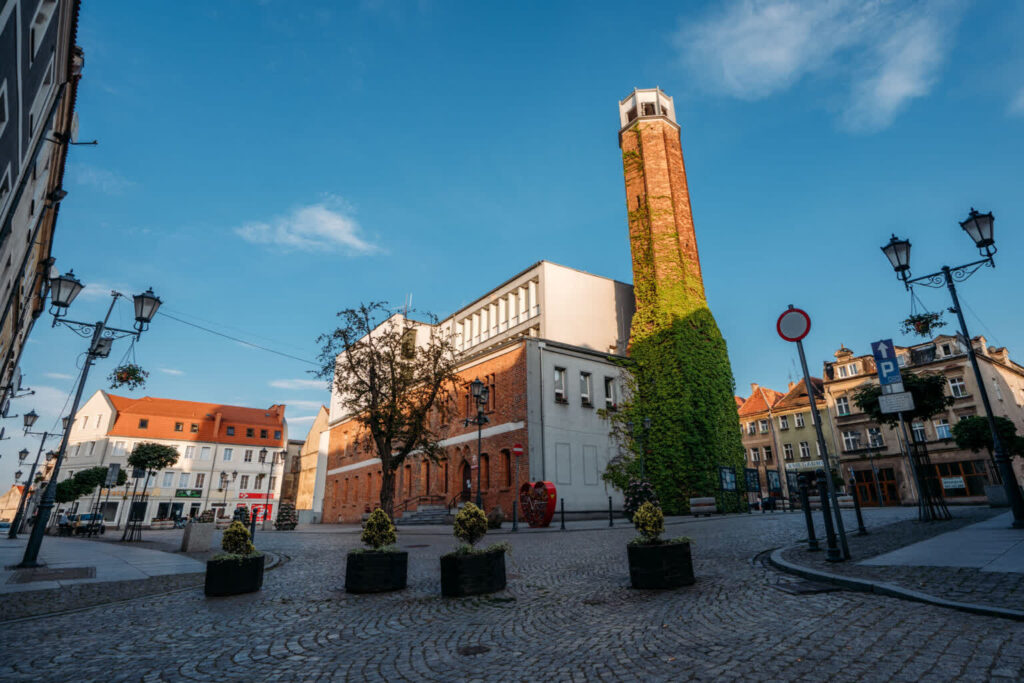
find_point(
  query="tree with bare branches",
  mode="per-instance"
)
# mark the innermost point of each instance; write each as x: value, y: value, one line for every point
x: 397, y: 378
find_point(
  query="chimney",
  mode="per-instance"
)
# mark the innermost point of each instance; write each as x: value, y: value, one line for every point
x: 216, y: 423
x: 753, y: 387
x: 791, y: 385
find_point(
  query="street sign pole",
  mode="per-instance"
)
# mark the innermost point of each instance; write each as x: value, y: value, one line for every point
x: 791, y: 328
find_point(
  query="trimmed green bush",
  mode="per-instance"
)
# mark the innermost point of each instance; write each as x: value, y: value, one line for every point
x: 650, y: 522
x: 378, y: 531
x: 237, y: 540
x: 470, y: 524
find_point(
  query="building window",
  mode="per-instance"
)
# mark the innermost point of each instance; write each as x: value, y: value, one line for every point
x: 999, y: 391
x: 917, y: 432
x: 875, y: 437
x: 783, y: 422
x: 190, y: 452
x: 585, y: 387
x: 851, y: 440
x: 143, y: 423
x: 957, y: 387
x: 947, y: 350
x: 609, y: 393
x: 841, y: 370
x: 751, y: 428
x: 248, y: 455
x: 768, y: 454
x: 249, y: 432
x: 183, y: 481
x: 204, y: 453
x: 168, y: 479
x: 194, y: 428
x: 764, y: 426
x: 842, y: 406
x: 178, y: 426
x: 273, y: 482
x: 200, y: 480
x: 119, y: 449
x: 942, y: 429
x: 258, y: 484
x: 243, y: 482
x: 560, y: 396
x: 227, y: 455
x: 798, y: 419
x: 755, y: 455
x: 507, y: 460
x: 805, y: 451
x: 787, y: 451
x: 263, y: 433
x: 277, y: 433
x: 967, y: 478
x: 231, y: 431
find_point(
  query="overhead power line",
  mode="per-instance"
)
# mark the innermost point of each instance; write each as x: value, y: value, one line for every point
x: 237, y: 339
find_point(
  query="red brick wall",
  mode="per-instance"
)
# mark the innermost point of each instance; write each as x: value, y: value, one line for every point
x: 352, y: 493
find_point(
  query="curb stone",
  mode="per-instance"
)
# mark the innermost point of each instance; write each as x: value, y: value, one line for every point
x: 888, y: 589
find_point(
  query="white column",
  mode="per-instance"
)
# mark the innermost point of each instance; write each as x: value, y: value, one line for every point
x: 532, y: 292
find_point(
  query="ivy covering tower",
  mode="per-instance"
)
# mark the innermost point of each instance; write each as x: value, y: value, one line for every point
x: 681, y: 378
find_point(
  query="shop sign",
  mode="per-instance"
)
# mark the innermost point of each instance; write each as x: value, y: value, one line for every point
x: 809, y: 465
x: 255, y: 496
x: 188, y: 493
x: 953, y: 483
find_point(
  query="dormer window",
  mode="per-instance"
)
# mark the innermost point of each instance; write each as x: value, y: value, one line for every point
x: 947, y: 350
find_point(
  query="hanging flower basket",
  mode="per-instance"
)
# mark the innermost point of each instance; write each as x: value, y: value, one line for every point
x: 128, y: 375
x: 922, y: 324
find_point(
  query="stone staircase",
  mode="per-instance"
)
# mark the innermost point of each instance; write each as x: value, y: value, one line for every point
x: 425, y: 514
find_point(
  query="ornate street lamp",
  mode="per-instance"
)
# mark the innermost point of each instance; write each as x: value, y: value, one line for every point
x: 63, y: 290
x: 979, y: 227
x: 480, y: 393
x: 146, y: 305
x: 29, y: 419
x: 22, y: 454
x: 17, y: 476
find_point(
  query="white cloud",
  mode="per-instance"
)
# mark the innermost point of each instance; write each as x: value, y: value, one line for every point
x: 299, y: 384
x: 58, y: 375
x: 303, y: 404
x: 102, y: 179
x: 886, y: 54
x: 304, y: 418
x: 172, y: 371
x: 1017, y: 104
x: 326, y: 226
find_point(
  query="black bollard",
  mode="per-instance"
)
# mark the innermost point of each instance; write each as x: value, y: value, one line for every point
x: 611, y: 520
x: 832, y: 552
x: 515, y: 515
x: 805, y: 504
x: 563, y: 514
x: 861, y: 531
x: 252, y: 526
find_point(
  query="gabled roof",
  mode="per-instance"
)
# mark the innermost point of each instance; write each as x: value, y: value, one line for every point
x: 739, y: 401
x: 760, y: 400
x: 797, y: 396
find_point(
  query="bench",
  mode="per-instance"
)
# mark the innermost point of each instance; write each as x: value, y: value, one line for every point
x: 703, y: 506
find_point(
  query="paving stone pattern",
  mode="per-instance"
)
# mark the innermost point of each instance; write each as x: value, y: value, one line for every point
x: 960, y: 584
x: 567, y: 615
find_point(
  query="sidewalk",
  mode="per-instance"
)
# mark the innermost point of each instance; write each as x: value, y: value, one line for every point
x: 975, y: 562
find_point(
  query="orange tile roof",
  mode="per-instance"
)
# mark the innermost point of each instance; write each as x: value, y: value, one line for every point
x: 212, y: 421
x: 797, y: 396
x: 739, y: 401
x: 760, y: 401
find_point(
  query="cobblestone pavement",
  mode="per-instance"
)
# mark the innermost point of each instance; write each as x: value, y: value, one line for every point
x: 959, y: 584
x: 567, y: 615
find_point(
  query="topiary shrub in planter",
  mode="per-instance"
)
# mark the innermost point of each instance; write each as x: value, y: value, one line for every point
x: 495, y: 517
x: 286, y: 517
x: 468, y: 570
x: 380, y: 568
x: 239, y: 569
x: 653, y: 562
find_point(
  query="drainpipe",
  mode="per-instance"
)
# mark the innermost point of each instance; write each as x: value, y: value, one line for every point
x: 543, y: 454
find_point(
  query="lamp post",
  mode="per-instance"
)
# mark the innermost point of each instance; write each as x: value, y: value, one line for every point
x: 979, y: 227
x: 224, y: 487
x: 29, y: 419
x: 63, y: 290
x: 270, y: 472
x: 480, y: 394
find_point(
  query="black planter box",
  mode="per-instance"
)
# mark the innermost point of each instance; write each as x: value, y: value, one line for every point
x: 472, y: 574
x: 376, y: 572
x: 234, y: 576
x: 666, y: 565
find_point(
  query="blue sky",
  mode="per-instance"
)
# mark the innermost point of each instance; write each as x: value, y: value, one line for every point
x: 263, y: 165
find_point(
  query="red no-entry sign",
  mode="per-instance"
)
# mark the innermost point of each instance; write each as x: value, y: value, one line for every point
x: 517, y: 450
x: 793, y: 325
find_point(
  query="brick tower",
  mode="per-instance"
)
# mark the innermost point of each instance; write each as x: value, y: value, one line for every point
x: 682, y: 379
x: 666, y: 266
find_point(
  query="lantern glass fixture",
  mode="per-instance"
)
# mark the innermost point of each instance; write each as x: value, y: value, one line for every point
x: 979, y: 227
x: 898, y: 253
x: 476, y: 388
x: 64, y: 422
x: 22, y: 454
x: 146, y: 305
x: 64, y: 289
x: 30, y: 419
x: 263, y: 455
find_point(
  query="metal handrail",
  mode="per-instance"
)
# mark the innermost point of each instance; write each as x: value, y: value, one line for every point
x: 404, y: 507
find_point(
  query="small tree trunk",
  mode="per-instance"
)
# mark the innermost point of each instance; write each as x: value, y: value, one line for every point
x: 387, y: 492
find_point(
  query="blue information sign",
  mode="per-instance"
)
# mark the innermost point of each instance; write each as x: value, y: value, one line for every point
x: 886, y: 362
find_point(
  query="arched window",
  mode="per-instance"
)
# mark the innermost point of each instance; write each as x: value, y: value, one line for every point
x: 485, y: 472
x: 369, y: 486
x: 408, y: 481
x: 446, y: 476
x: 426, y: 477
x: 344, y: 489
x: 506, y: 460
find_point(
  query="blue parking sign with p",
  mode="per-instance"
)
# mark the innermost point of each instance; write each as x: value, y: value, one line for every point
x: 886, y: 362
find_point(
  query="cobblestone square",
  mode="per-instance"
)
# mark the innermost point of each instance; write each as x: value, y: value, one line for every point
x: 568, y: 614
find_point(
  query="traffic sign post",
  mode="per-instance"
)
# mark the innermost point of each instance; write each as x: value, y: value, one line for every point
x: 517, y: 452
x: 793, y: 325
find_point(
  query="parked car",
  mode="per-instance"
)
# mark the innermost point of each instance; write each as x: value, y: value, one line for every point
x: 80, y: 523
x: 5, y: 527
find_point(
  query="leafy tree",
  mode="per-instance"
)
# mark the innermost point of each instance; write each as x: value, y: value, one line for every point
x: 396, y: 377
x: 153, y: 457
x: 84, y: 482
x: 927, y: 390
x: 973, y: 434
